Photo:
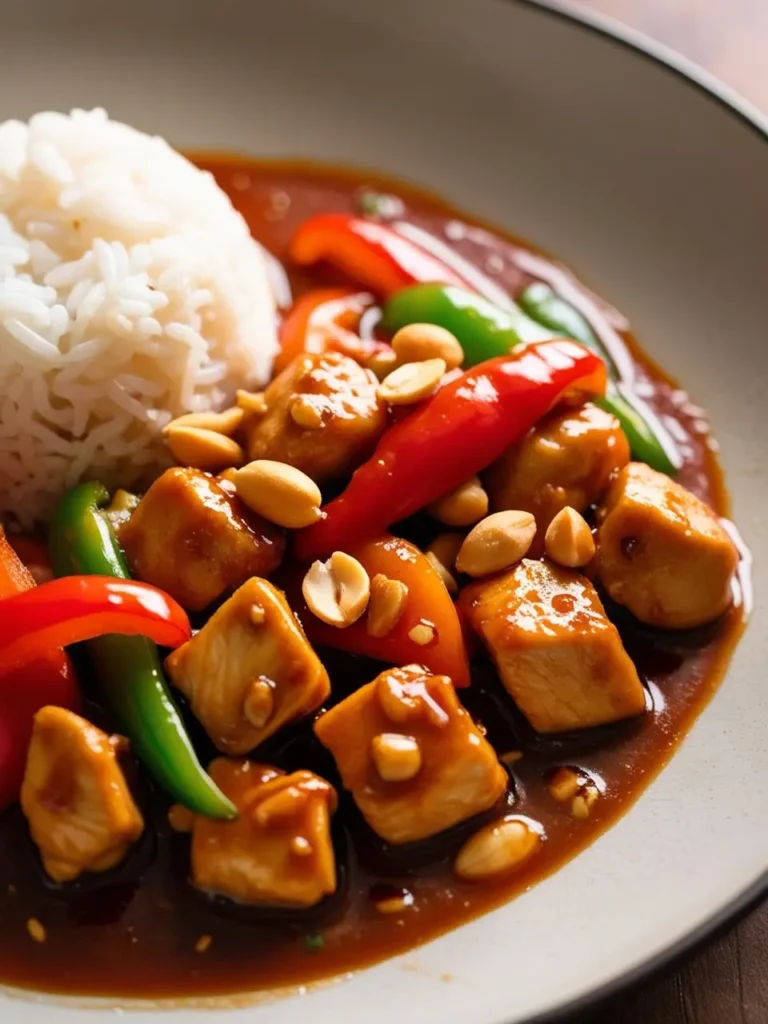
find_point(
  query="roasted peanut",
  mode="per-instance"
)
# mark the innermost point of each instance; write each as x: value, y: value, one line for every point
x: 226, y: 422
x: 259, y: 702
x: 337, y: 591
x: 388, y: 598
x: 253, y: 403
x: 464, y: 506
x: 415, y: 343
x: 282, y: 494
x: 412, y: 382
x: 423, y: 633
x: 568, y: 540
x: 397, y: 758
x: 305, y: 412
x: 442, y: 554
x: 203, y: 449
x: 497, y: 542
x: 498, y: 848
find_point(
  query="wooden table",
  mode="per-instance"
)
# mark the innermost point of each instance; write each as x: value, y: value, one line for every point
x: 727, y: 982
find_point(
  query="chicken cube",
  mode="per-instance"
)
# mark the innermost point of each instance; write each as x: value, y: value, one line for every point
x: 411, y: 756
x: 192, y: 537
x: 662, y: 553
x: 80, y: 811
x: 279, y: 850
x: 249, y: 670
x: 557, y: 654
x: 323, y: 416
x: 569, y: 458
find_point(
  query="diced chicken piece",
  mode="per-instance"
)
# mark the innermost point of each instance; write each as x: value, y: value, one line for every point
x: 411, y: 756
x: 569, y: 458
x: 323, y: 416
x: 192, y: 537
x: 558, y: 655
x: 279, y: 850
x: 249, y: 670
x: 80, y: 811
x: 662, y: 553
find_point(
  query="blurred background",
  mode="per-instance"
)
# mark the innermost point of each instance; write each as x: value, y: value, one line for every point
x: 727, y: 37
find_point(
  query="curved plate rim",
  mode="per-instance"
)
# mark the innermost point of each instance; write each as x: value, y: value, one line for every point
x: 732, y: 103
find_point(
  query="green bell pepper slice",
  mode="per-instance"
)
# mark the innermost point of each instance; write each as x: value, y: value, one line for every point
x: 128, y: 668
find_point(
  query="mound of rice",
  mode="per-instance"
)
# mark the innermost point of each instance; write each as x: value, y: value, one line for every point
x: 130, y: 292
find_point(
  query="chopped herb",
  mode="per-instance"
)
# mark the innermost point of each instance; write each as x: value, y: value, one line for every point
x: 314, y: 942
x: 380, y: 204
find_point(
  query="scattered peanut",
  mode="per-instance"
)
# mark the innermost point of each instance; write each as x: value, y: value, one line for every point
x: 253, y: 403
x: 36, y: 930
x: 511, y: 757
x: 381, y: 362
x: 583, y: 801
x: 568, y: 540
x: 257, y: 615
x: 282, y: 494
x: 464, y: 506
x: 203, y: 449
x: 417, y: 342
x: 305, y: 412
x: 496, y: 543
x: 337, y: 591
x: 423, y: 633
x: 564, y: 784
x: 412, y: 382
x: 203, y: 944
x: 226, y: 422
x: 442, y: 554
x: 397, y: 758
x: 388, y: 598
x: 498, y: 848
x: 180, y: 818
x: 259, y: 702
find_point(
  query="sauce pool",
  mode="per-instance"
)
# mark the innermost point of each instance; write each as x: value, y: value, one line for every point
x: 146, y: 933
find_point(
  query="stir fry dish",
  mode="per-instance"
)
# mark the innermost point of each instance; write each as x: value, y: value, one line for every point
x: 357, y: 568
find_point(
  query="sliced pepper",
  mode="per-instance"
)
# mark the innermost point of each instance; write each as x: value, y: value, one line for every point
x: 428, y: 603
x: 464, y: 427
x: 648, y: 440
x: 128, y: 667
x: 484, y: 329
x: 49, y: 679
x: 369, y: 252
x: 77, y: 608
x: 326, y: 319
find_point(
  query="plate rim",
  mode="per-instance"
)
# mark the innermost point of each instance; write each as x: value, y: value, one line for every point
x: 752, y: 118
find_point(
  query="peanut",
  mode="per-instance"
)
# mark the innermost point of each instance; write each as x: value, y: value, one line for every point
x: 412, y: 382
x: 397, y: 758
x: 496, y: 543
x: 203, y: 449
x: 280, y: 493
x: 568, y: 540
x: 388, y: 599
x: 418, y: 342
x: 498, y: 848
x: 337, y: 591
x: 464, y: 506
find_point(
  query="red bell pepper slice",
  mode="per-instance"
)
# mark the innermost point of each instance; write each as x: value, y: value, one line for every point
x: 459, y: 431
x: 76, y: 608
x: 369, y: 252
x: 427, y: 602
x: 48, y: 679
x: 326, y: 319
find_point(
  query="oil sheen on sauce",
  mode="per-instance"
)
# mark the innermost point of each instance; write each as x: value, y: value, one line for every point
x: 145, y: 933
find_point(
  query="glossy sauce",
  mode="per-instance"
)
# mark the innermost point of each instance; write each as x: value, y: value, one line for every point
x: 137, y: 932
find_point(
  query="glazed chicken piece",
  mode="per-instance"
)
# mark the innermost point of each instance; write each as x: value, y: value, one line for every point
x: 192, y: 537
x: 662, y: 553
x: 323, y: 417
x: 411, y: 756
x: 569, y: 458
x: 558, y: 655
x: 249, y: 670
x: 80, y: 811
x: 279, y: 850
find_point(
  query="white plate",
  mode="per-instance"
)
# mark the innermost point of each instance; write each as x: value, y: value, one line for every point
x: 655, y: 191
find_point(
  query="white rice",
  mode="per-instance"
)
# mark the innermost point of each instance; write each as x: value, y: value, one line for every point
x: 130, y: 292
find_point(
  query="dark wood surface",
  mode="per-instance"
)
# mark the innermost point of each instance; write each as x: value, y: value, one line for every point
x: 727, y: 981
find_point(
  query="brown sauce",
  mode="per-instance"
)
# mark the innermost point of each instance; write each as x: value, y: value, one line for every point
x: 134, y: 934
